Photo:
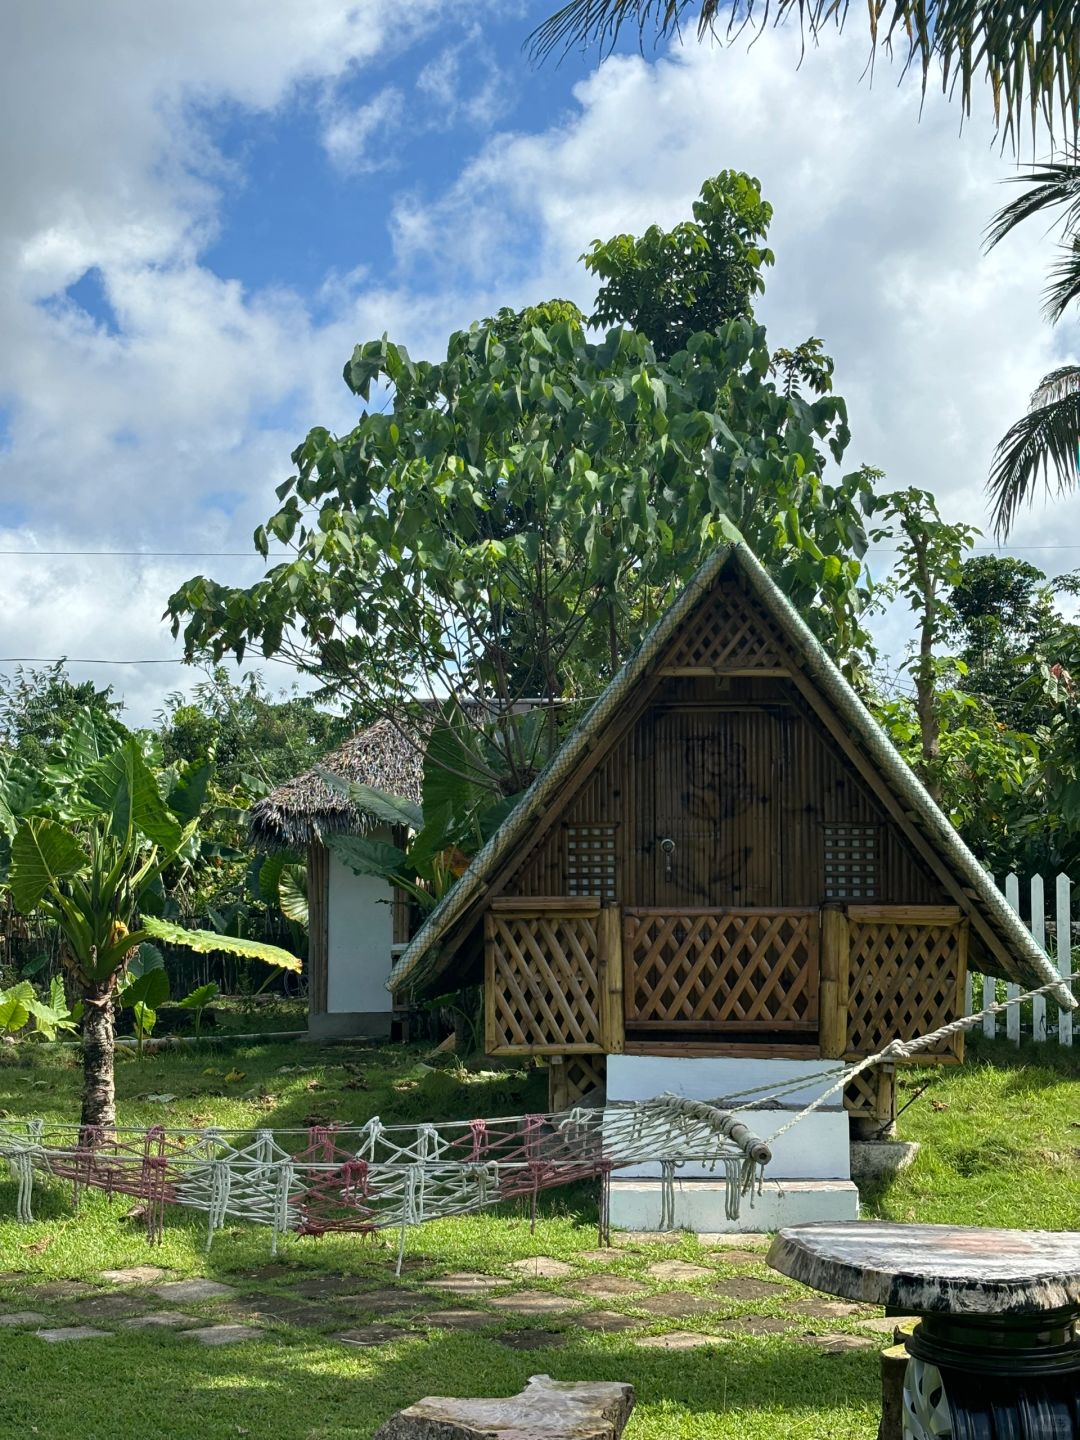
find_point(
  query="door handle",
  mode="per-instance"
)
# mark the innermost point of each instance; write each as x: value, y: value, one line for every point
x: 667, y: 846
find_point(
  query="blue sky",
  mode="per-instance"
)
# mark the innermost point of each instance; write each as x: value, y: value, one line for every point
x: 212, y: 204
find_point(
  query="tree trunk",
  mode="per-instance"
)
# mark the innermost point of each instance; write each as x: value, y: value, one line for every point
x: 98, y: 1046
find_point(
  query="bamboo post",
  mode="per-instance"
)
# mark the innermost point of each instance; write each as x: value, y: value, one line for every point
x: 835, y: 952
x: 491, y: 1034
x: 609, y: 935
x: 558, y: 1085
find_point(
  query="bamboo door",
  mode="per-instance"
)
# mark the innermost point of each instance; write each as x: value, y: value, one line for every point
x: 710, y: 826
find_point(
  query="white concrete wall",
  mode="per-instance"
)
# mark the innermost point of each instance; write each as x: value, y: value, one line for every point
x: 360, y: 932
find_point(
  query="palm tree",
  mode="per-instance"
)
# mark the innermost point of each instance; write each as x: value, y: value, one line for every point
x: 1029, y: 53
x: 1045, y: 443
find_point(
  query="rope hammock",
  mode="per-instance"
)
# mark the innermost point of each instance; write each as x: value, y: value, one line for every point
x: 374, y: 1177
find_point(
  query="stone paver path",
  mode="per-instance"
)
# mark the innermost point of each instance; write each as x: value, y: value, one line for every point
x: 532, y: 1302
x: 674, y: 1305
x: 460, y: 1319
x: 745, y: 1287
x: 607, y: 1322
x: 838, y: 1344
x: 367, y: 1335
x: 369, y: 1309
x: 193, y: 1290
x: 134, y: 1275
x: 104, y: 1307
x: 224, y: 1334
x: 530, y: 1339
x: 822, y: 1309
x: 679, y: 1340
x: 161, y: 1320
x: 468, y: 1283
x: 678, y: 1270
x: 607, y: 1287
x: 542, y: 1267
x: 15, y: 1318
x: 65, y: 1333
x: 759, y: 1325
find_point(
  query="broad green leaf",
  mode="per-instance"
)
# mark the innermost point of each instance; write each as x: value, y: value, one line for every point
x: 43, y: 853
x: 391, y: 809
x: 200, y: 998
x: 293, y: 895
x: 15, y: 1007
x: 188, y: 794
x: 150, y: 988
x: 122, y: 786
x: 369, y: 857
x: 145, y: 1017
x: 269, y: 878
x: 146, y: 958
x: 205, y: 942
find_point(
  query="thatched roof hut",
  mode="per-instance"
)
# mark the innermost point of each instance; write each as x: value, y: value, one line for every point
x: 305, y: 809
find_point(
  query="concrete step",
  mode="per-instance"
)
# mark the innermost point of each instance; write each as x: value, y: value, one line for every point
x: 700, y: 1204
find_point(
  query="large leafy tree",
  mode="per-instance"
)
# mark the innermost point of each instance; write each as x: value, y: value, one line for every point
x: 671, y: 284
x: 502, y: 523
x: 1042, y: 449
x: 87, y: 841
x: 1029, y: 55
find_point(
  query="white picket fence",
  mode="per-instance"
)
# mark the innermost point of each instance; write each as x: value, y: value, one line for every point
x: 1060, y: 918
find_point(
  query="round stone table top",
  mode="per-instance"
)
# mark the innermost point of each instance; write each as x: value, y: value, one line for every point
x: 935, y: 1269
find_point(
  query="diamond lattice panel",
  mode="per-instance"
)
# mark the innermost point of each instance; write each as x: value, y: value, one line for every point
x: 731, y: 632
x: 543, y: 983
x: 904, y: 981
x: 738, y: 970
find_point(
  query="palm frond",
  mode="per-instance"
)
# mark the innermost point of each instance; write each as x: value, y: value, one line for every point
x: 1053, y: 184
x: 1043, y: 445
x: 1029, y: 53
x: 1064, y: 284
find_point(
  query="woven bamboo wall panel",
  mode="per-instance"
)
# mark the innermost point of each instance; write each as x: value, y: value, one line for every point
x: 543, y: 983
x: 905, y: 979
x: 731, y: 632
x: 721, y: 970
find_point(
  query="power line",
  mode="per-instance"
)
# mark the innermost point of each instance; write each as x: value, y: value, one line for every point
x: 74, y: 660
x: 142, y: 554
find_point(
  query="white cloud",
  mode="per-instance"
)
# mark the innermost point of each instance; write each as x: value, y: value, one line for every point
x: 878, y: 233
x: 356, y: 138
x: 168, y: 430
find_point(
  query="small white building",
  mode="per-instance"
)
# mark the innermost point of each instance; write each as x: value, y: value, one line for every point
x: 356, y: 921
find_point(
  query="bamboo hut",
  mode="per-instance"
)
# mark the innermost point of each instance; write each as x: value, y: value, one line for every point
x: 726, y: 870
x: 356, y: 922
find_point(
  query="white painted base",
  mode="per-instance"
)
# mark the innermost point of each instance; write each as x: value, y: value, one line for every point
x: 700, y: 1204
x: 817, y: 1148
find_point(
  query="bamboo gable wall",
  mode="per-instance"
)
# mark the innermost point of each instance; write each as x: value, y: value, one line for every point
x: 741, y: 776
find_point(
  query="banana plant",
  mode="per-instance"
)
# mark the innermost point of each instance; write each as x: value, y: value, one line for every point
x: 91, y: 855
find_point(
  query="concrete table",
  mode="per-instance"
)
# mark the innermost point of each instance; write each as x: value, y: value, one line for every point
x: 995, y: 1355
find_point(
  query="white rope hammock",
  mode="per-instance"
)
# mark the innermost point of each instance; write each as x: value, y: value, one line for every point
x: 375, y: 1176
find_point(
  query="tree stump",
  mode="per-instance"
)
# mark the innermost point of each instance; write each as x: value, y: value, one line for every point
x: 545, y: 1410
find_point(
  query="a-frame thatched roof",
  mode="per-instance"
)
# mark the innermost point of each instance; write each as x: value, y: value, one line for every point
x: 1007, y: 947
x: 306, y: 809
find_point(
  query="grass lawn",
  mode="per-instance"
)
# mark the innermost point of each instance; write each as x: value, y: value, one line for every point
x: 1000, y: 1147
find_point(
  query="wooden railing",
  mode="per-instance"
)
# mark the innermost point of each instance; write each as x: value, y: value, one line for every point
x: 553, y: 977
x: 721, y: 970
x: 890, y: 972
